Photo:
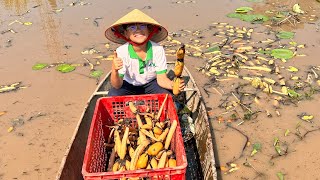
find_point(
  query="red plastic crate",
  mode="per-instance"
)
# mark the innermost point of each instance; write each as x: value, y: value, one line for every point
x: 110, y: 109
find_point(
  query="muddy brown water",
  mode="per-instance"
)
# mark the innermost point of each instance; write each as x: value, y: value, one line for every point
x: 34, y: 149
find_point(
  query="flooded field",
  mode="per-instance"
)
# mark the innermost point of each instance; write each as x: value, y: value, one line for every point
x: 275, y: 139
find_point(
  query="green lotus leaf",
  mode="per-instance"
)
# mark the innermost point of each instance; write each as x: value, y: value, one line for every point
x: 293, y: 94
x: 96, y: 73
x: 282, y: 53
x: 280, y: 16
x: 277, y: 18
x: 65, y: 68
x: 253, y: 18
x: 285, y: 35
x: 235, y: 15
x: 280, y: 175
x: 264, y: 52
x: 212, y: 49
x: 243, y: 9
x: 257, y: 18
x: 39, y: 66
x: 257, y: 146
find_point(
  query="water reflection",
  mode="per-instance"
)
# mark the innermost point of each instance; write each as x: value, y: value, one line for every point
x: 53, y: 4
x: 49, y: 23
x: 50, y: 26
x: 18, y: 5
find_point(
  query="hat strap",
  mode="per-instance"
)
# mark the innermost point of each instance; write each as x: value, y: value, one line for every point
x: 120, y: 35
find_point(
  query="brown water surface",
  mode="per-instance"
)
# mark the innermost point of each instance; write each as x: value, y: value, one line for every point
x: 59, y: 32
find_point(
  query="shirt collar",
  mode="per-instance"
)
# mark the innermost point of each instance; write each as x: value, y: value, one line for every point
x: 133, y: 54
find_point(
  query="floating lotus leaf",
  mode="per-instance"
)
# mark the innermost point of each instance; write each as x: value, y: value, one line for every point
x: 243, y: 9
x: 293, y: 93
x: 264, y: 52
x: 280, y: 175
x: 280, y: 15
x: 39, y: 66
x: 285, y: 35
x: 282, y: 53
x: 253, y: 18
x: 212, y: 49
x: 65, y: 68
x: 276, y: 18
x: 235, y: 15
x: 257, y: 146
x: 96, y: 73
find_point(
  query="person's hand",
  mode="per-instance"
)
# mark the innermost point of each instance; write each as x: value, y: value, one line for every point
x: 182, y: 85
x: 117, y: 63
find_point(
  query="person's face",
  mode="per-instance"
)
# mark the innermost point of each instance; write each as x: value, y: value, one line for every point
x: 137, y: 33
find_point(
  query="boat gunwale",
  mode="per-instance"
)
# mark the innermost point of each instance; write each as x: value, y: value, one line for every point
x: 75, y: 132
x: 96, y: 93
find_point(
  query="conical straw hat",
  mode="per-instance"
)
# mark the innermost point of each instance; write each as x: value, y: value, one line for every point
x: 135, y: 16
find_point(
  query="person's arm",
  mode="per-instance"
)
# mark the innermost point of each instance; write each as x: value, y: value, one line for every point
x: 164, y: 81
x: 116, y: 78
x: 161, y: 69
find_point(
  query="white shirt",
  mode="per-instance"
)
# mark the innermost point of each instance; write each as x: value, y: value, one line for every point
x: 138, y: 72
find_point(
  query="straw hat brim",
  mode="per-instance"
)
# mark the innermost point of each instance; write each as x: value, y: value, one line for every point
x: 135, y: 16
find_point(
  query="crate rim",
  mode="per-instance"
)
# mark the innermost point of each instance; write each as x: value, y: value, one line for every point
x: 144, y: 171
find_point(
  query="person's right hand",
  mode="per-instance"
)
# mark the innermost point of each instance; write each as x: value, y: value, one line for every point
x: 117, y: 63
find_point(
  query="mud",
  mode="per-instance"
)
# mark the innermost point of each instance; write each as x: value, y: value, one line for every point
x: 34, y: 149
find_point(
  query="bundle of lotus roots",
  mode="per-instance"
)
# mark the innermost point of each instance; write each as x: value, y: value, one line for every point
x: 146, y: 145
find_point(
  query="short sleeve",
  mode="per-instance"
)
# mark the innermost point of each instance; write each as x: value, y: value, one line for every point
x: 160, y: 61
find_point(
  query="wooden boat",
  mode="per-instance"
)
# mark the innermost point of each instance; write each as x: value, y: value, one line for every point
x: 199, y: 148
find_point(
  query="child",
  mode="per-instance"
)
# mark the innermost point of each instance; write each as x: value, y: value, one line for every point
x: 139, y: 65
